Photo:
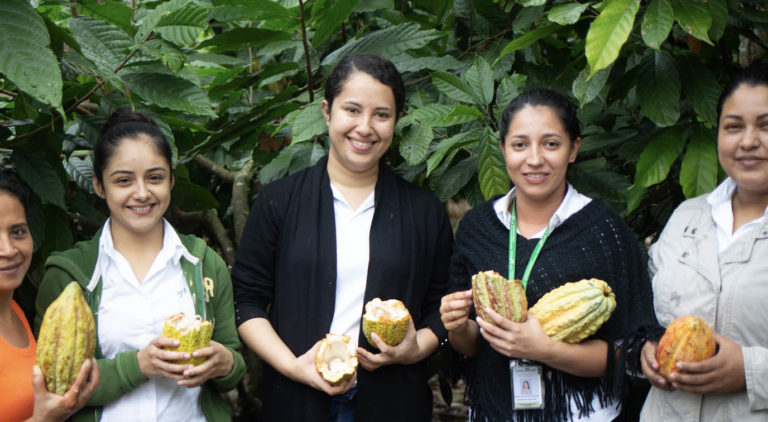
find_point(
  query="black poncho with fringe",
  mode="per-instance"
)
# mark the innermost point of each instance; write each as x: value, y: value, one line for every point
x: 592, y: 243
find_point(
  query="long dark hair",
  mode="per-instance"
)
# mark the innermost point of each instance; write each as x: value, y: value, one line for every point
x: 378, y: 67
x: 755, y: 74
x: 564, y: 109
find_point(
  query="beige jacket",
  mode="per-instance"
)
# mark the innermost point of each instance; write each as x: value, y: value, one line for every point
x: 730, y: 292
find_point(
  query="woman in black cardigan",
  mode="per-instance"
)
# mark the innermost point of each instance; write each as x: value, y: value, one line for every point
x: 322, y: 242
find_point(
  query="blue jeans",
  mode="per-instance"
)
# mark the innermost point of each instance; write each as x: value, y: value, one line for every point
x: 343, y: 407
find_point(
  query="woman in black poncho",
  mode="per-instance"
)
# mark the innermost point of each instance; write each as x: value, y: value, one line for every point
x: 578, y: 238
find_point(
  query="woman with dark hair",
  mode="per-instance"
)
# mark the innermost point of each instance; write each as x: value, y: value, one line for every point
x: 321, y: 243
x: 710, y: 261
x: 136, y: 272
x: 547, y: 234
x: 23, y: 394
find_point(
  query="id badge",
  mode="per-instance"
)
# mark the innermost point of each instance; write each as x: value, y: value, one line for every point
x: 527, y: 385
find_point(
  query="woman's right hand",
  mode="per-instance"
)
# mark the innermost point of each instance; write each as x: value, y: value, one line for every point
x: 305, y: 372
x: 154, y: 360
x: 651, y: 367
x: 454, y: 310
x: 50, y: 407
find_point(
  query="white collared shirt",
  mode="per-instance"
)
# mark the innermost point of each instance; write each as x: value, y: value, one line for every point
x: 572, y: 203
x: 722, y: 214
x: 132, y: 313
x: 353, y: 233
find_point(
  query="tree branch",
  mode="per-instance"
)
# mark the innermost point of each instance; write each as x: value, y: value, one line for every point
x: 305, y: 43
x: 213, y: 225
x: 214, y: 168
x: 241, y: 191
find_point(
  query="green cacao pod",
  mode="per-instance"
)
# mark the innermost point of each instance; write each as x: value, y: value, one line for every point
x: 576, y: 310
x: 336, y: 359
x: 506, y: 297
x: 67, y: 339
x: 389, y: 319
x: 686, y: 339
x: 192, y: 332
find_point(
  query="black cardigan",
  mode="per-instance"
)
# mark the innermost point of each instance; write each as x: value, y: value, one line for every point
x: 285, y: 271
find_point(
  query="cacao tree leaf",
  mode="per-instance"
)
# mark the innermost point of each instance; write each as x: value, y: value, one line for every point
x: 527, y: 39
x: 657, y: 23
x: 373, y: 5
x: 455, y: 178
x: 634, y: 197
x: 567, y: 14
x: 460, y: 114
x: 700, y: 86
x: 80, y: 169
x: 586, y: 88
x: 694, y: 17
x: 113, y: 12
x: 491, y: 168
x: 594, y: 178
x: 40, y: 176
x: 531, y: 3
x: 452, y: 86
x: 451, y: 144
x: 509, y: 88
x: 659, y: 155
x: 240, y: 38
x: 105, y: 45
x: 659, y: 89
x: 192, y: 197
x: 25, y: 56
x: 170, y: 91
x: 251, y: 10
x: 480, y: 80
x: 432, y: 115
x: 385, y: 42
x: 414, y: 143
x: 58, y: 236
x: 608, y: 33
x: 698, y: 172
x: 407, y: 63
x: 525, y: 18
x: 718, y: 9
x: 328, y: 17
x: 278, y: 167
x: 306, y: 154
x: 309, y: 122
x: 183, y: 26
x: 606, y: 140
x: 150, y: 20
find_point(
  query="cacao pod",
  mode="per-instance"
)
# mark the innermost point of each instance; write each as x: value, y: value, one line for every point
x: 506, y: 297
x: 67, y: 339
x: 686, y: 339
x: 389, y: 319
x: 576, y: 310
x: 336, y: 359
x: 192, y: 333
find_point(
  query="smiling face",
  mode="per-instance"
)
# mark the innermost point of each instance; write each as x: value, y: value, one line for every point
x: 361, y: 124
x: 15, y: 242
x: 136, y: 183
x: 537, y: 151
x: 742, y: 138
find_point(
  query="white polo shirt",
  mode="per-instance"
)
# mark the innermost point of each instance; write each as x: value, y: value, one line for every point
x: 353, y: 232
x: 131, y: 314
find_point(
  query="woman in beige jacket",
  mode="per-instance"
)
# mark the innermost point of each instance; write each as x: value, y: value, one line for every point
x: 712, y: 261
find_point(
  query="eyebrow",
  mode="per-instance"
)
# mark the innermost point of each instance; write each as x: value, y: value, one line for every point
x: 356, y: 104
x: 736, y: 116
x: 130, y: 172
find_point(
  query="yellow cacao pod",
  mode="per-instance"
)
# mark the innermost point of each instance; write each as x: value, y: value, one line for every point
x: 506, y: 297
x: 67, y: 339
x: 336, y: 359
x: 192, y: 332
x: 576, y: 310
x: 389, y: 319
x: 686, y: 339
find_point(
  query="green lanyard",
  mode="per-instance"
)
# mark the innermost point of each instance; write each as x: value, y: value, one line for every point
x: 513, y: 248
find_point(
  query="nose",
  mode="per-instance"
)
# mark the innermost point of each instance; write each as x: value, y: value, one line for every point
x: 751, y: 138
x: 141, y: 193
x: 6, y: 246
x: 534, y: 156
x: 364, y: 125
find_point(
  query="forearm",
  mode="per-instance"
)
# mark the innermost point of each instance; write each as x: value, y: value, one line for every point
x: 585, y: 359
x: 427, y: 344
x: 464, y: 340
x: 262, y: 338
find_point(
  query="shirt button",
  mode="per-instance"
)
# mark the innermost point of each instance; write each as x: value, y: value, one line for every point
x: 693, y: 231
x: 685, y: 254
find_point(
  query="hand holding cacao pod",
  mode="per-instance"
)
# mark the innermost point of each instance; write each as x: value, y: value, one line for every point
x: 686, y: 339
x: 192, y: 333
x: 506, y: 297
x: 576, y: 310
x: 336, y: 359
x: 388, y: 319
x: 67, y: 339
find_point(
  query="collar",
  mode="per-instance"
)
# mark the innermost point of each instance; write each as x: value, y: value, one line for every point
x: 722, y: 193
x: 172, y: 248
x: 572, y: 203
x: 364, y: 206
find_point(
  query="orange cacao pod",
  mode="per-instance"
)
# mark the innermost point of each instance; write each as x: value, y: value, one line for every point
x: 687, y: 339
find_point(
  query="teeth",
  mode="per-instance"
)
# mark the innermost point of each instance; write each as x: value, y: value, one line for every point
x: 535, y: 176
x: 141, y: 209
x: 360, y: 144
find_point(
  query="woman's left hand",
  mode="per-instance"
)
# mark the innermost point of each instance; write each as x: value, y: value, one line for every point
x: 52, y: 407
x: 722, y: 373
x: 524, y: 340
x: 406, y: 352
x: 219, y: 363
